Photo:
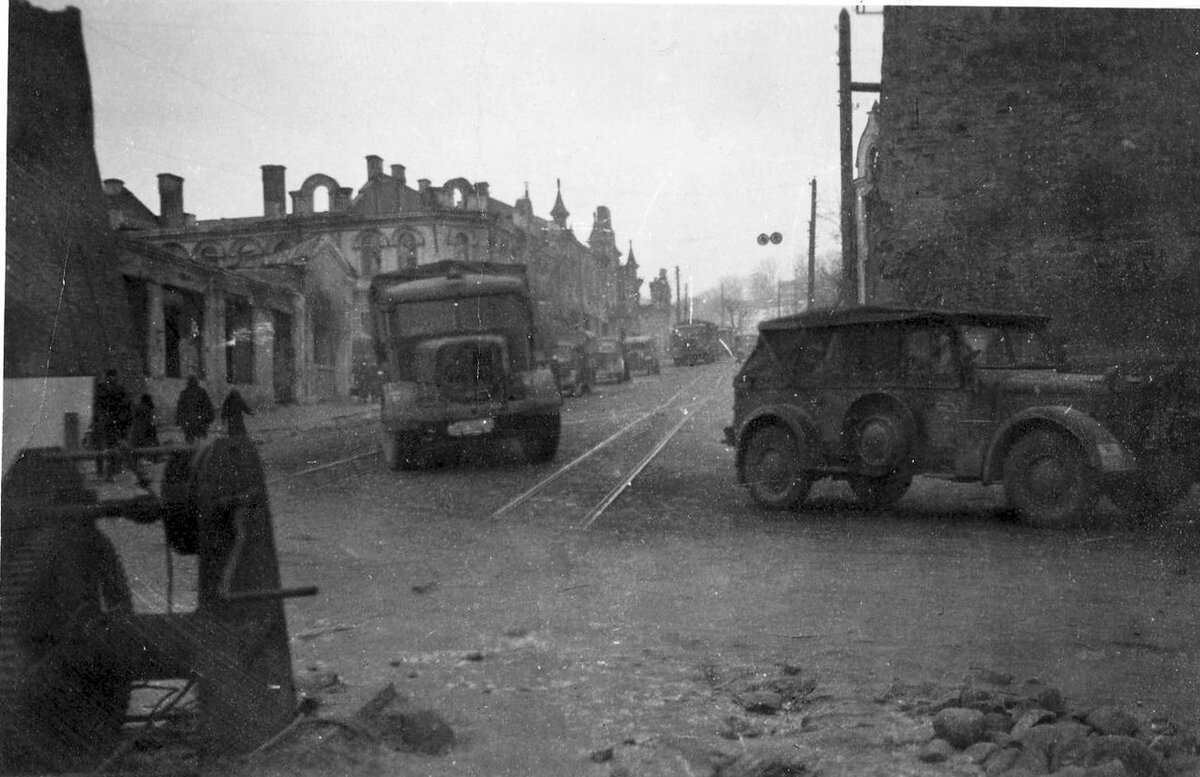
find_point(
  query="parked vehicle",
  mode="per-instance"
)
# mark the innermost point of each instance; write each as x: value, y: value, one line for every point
x: 572, y: 367
x: 641, y: 355
x: 876, y: 395
x: 695, y: 342
x: 608, y: 361
x: 455, y: 343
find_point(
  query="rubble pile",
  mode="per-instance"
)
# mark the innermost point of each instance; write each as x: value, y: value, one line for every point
x: 1031, y: 730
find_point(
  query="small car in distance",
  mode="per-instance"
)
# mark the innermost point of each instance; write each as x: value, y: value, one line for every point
x: 608, y: 361
x: 572, y: 367
x: 876, y: 395
x: 641, y: 355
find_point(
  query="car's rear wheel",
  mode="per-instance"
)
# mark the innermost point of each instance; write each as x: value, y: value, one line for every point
x: 880, y: 492
x: 1048, y: 479
x: 775, y: 468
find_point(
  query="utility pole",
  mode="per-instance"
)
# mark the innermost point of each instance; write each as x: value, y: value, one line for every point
x: 853, y: 282
x: 678, y: 297
x: 812, y: 248
x: 846, y: 127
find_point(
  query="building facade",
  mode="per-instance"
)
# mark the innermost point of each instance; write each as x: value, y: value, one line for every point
x: 1044, y: 159
x: 387, y: 225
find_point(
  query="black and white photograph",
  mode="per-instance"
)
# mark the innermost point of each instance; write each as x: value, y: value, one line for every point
x: 584, y: 389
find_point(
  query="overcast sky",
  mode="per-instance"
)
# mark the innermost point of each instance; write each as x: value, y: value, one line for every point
x: 698, y: 125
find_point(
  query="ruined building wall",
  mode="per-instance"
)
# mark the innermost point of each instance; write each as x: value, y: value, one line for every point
x: 1045, y: 159
x: 65, y: 307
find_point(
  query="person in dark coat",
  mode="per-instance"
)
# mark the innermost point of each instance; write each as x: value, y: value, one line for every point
x: 234, y: 410
x: 111, y: 419
x: 143, y: 433
x: 193, y: 411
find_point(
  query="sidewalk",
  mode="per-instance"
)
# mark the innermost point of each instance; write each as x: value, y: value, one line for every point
x: 271, y: 424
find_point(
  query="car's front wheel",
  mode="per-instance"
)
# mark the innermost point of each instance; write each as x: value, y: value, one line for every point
x: 879, y: 492
x: 1048, y: 479
x: 775, y: 468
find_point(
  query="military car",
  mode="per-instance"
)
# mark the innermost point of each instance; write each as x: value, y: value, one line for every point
x: 876, y: 395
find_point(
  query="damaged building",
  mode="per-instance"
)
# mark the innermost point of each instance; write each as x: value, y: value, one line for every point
x: 1041, y: 159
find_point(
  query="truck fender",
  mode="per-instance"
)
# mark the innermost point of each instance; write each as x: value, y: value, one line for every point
x: 1103, y: 451
x: 796, y: 421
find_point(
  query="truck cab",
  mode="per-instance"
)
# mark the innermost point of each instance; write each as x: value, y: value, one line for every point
x: 455, y: 343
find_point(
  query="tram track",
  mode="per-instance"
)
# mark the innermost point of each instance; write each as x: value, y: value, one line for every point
x: 597, y: 478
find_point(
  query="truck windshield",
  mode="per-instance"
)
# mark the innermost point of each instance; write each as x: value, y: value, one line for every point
x: 489, y: 313
x: 1010, y: 346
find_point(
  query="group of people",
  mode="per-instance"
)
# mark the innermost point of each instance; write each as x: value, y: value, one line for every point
x: 118, y: 422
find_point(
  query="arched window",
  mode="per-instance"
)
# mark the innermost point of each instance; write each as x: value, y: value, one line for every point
x: 462, y: 248
x: 370, y: 252
x: 209, y: 253
x: 320, y: 199
x: 407, y: 250
x: 456, y: 198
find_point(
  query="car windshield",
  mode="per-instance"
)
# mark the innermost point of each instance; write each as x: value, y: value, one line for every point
x: 496, y: 312
x: 1012, y: 346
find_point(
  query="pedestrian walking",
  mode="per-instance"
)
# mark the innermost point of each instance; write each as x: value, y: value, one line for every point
x: 112, y: 415
x: 234, y: 410
x: 193, y: 411
x: 143, y: 433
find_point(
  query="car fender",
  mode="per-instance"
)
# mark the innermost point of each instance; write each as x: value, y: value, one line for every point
x: 1103, y: 451
x: 796, y: 420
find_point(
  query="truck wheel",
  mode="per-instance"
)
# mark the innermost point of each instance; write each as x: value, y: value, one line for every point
x: 63, y: 698
x: 540, y: 438
x: 879, y: 492
x: 774, y: 468
x: 399, y: 449
x: 1048, y: 480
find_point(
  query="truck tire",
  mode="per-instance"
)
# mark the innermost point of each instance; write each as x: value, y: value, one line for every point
x: 1048, y: 479
x: 64, y: 697
x: 774, y: 468
x: 540, y: 438
x: 399, y: 449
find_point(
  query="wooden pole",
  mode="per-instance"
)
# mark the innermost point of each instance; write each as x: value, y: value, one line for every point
x: 849, y: 291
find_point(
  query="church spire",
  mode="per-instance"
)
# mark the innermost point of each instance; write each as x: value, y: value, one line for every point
x: 559, y: 212
x: 632, y: 262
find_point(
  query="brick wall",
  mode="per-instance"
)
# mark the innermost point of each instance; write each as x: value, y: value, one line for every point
x: 65, y: 307
x: 1045, y: 159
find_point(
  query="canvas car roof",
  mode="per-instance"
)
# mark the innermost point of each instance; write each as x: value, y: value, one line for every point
x: 444, y: 287
x: 886, y: 314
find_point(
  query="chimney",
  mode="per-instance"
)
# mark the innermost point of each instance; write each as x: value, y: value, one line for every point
x: 481, y: 193
x: 398, y: 174
x: 113, y: 186
x: 424, y: 185
x: 170, y: 197
x: 274, y: 191
x: 374, y: 167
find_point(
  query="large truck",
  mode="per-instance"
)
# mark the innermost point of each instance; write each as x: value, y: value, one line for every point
x: 455, y: 343
x: 695, y: 342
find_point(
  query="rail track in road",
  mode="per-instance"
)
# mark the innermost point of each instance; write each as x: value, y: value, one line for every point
x: 594, y: 480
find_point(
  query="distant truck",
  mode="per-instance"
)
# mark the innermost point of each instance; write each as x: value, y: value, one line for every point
x: 455, y: 343
x: 695, y: 342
